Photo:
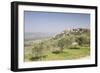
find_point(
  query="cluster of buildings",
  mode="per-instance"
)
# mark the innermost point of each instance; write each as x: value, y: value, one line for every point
x: 76, y: 30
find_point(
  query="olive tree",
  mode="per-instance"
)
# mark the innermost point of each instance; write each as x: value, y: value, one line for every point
x: 38, y: 50
x: 65, y: 42
x: 83, y: 40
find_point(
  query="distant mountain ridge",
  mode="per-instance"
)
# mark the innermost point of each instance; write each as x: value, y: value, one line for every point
x: 37, y: 35
x: 40, y: 35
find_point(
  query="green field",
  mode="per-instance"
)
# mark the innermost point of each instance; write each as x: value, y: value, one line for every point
x: 67, y: 54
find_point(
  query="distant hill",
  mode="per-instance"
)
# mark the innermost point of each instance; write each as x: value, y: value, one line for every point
x: 40, y: 35
x: 37, y: 36
x: 76, y: 31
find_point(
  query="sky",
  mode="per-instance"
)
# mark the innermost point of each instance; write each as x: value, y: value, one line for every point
x: 52, y: 22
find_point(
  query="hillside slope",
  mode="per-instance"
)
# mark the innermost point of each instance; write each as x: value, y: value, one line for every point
x: 69, y: 44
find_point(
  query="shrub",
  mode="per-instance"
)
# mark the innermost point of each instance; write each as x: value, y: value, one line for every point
x: 74, y: 47
x: 56, y: 52
x: 83, y: 40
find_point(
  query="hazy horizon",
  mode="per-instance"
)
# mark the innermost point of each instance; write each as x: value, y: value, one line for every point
x: 53, y: 22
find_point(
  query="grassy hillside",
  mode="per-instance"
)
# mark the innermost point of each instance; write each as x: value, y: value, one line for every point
x: 67, y: 45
